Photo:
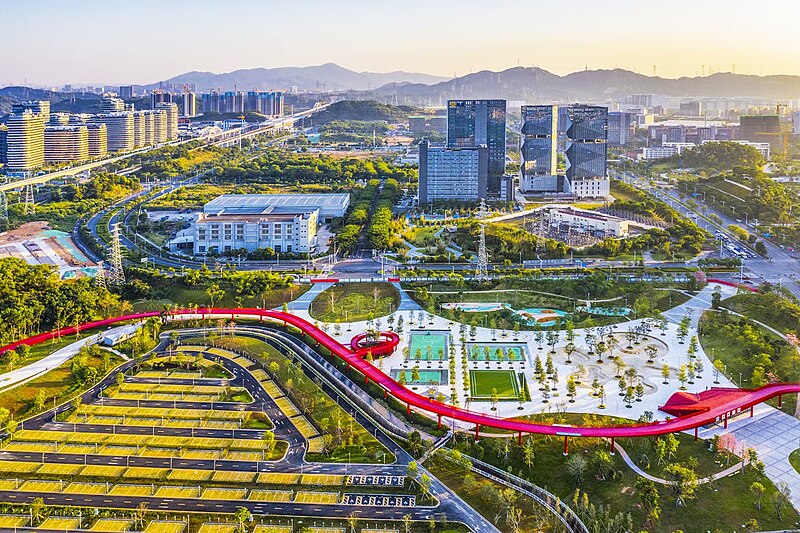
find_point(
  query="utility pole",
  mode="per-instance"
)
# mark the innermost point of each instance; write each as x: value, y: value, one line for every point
x: 482, y: 268
x: 30, y: 206
x: 116, y: 274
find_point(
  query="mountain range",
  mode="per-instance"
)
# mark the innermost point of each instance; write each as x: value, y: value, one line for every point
x: 533, y: 84
x: 327, y: 77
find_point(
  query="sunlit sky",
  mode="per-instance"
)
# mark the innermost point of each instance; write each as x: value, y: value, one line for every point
x: 90, y: 41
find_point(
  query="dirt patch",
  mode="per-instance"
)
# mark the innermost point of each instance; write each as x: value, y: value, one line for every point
x: 28, y: 230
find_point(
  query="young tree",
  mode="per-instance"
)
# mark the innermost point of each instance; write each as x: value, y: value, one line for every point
x: 639, y: 391
x: 684, y: 481
x: 569, y: 349
x: 690, y: 369
x: 600, y: 348
x: 528, y: 453
x: 602, y: 397
x: 576, y: 467
x: 619, y: 364
x: 628, y: 397
x: 651, y: 351
x: 572, y: 389
x: 781, y: 498
x: 758, y: 492
x: 665, y: 372
x: 242, y: 516
x: 595, y: 387
x: 682, y: 376
x: 494, y: 399
x: 683, y: 328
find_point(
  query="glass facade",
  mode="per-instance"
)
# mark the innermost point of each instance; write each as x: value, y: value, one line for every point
x: 472, y: 123
x: 586, y: 153
x: 538, y: 141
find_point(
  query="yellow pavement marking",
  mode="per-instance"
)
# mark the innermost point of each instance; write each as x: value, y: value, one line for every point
x: 164, y: 526
x: 233, y: 477
x: 323, y: 498
x: 224, y: 494
x: 108, y: 525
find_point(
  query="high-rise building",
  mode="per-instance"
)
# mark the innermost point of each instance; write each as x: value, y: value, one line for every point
x: 111, y: 104
x: 3, y: 144
x: 126, y: 92
x: 159, y: 126
x: 158, y: 96
x: 472, y: 123
x: 98, y: 140
x: 171, y: 110
x: 39, y: 107
x: 25, y: 140
x: 149, y: 134
x: 189, y: 104
x: 139, y: 129
x: 693, y: 108
x: 586, y: 150
x: 621, y: 126
x: 643, y: 100
x: 539, y: 149
x: 63, y: 144
x: 447, y: 174
x: 762, y: 129
x: 796, y: 123
x: 120, y: 130
x: 211, y: 102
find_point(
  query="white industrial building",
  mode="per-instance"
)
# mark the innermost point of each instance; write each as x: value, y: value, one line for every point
x: 287, y: 223
x: 587, y: 221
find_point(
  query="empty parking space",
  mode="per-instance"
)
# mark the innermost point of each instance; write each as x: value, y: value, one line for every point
x: 272, y: 389
x: 304, y: 427
x: 270, y: 496
x: 132, y: 490
x: 102, y: 471
x: 165, y: 526
x: 189, y: 475
x: 278, y: 478
x: 143, y: 472
x: 224, y: 494
x: 60, y: 469
x: 222, y: 476
x: 87, y: 488
x: 13, y: 521
x: 40, y: 486
x: 109, y: 525
x: 322, y: 498
x: 61, y: 523
x: 321, y: 479
x: 177, y: 492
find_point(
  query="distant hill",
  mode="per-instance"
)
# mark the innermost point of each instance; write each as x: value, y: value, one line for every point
x: 365, y: 110
x: 327, y: 77
x: 532, y: 84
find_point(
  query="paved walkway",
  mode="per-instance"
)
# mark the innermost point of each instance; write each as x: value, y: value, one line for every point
x: 21, y: 375
x: 774, y: 435
x: 303, y: 303
x: 633, y: 466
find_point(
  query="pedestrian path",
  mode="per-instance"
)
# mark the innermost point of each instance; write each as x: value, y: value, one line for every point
x: 628, y: 461
x: 774, y: 435
x: 303, y: 302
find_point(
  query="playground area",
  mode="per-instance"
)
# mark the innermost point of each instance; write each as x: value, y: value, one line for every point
x: 502, y: 382
x: 539, y: 316
x: 428, y: 345
x: 497, y: 352
x: 604, y: 311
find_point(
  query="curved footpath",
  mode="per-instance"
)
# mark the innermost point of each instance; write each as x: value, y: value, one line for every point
x: 633, y: 466
x: 371, y: 373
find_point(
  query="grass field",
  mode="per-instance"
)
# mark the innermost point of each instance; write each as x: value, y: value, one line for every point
x: 355, y: 301
x: 427, y: 346
x: 482, y: 382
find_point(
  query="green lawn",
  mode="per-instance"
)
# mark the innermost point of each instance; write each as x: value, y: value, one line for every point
x: 794, y: 460
x: 432, y: 346
x: 351, y: 302
x: 482, y: 382
x: 178, y: 294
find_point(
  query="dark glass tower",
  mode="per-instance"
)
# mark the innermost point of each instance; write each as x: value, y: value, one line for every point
x: 472, y: 123
x: 538, y: 141
x: 587, y: 130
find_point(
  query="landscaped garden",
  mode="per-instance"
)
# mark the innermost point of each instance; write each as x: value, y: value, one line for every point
x: 352, y: 302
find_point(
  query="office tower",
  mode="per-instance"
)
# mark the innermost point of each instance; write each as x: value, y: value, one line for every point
x: 472, y: 123
x: 189, y: 104
x: 39, y: 107
x: 620, y: 128
x: 111, y: 104
x: 3, y: 144
x: 25, y: 140
x: 158, y: 96
x: 459, y: 174
x: 63, y: 144
x: 126, y: 92
x: 762, y: 129
x: 586, y: 150
x: 138, y: 129
x: 98, y: 140
x: 119, y: 129
x: 539, y: 149
x: 67, y: 88
x: 643, y: 100
x: 159, y: 126
x: 171, y: 110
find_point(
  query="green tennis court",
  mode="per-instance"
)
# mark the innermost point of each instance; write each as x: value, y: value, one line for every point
x: 483, y: 381
x: 427, y: 346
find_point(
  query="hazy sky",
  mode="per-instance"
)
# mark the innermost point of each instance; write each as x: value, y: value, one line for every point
x: 143, y: 41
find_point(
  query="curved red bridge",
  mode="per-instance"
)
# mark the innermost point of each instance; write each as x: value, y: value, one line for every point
x: 720, y: 409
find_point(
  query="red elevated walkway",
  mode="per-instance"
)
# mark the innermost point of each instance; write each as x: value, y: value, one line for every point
x: 697, y: 411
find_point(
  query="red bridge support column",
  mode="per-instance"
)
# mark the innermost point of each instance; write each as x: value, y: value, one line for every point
x: 477, y: 432
x: 408, y: 408
x: 439, y: 425
x: 566, y: 445
x: 780, y: 401
x: 366, y: 380
x: 385, y: 394
x: 519, y: 438
x: 612, y: 446
x: 695, y: 434
x: 725, y: 425
x: 751, y: 411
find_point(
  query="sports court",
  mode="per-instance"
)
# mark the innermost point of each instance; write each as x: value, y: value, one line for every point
x: 428, y: 345
x: 504, y: 382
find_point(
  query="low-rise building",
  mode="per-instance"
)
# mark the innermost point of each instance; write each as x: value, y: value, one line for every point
x: 329, y: 205
x: 588, y: 221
